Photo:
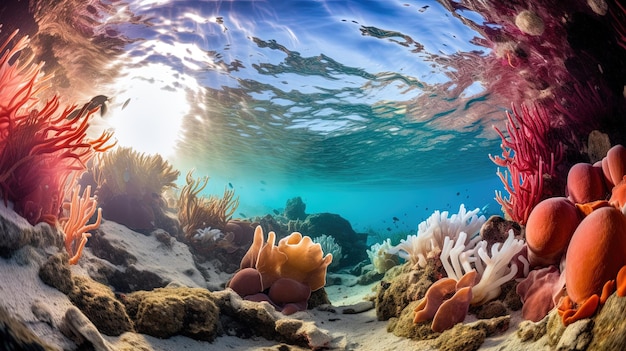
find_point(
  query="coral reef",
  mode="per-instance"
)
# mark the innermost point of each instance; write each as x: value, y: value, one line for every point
x: 446, y: 312
x: 493, y: 270
x: 550, y: 227
x: 40, y: 146
x: 196, y: 212
x: 353, y: 244
x: 130, y: 186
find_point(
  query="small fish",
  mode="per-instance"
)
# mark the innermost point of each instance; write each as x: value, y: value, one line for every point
x: 243, y: 215
x: 395, y: 219
x: 99, y: 100
x: 388, y: 229
x: 262, y: 189
x: 230, y: 185
x: 263, y: 182
x: 458, y: 193
x: 125, y: 103
x: 96, y: 101
x: 275, y: 211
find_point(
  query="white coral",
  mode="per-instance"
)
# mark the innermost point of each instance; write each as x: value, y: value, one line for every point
x: 378, y: 255
x: 432, y: 232
x: 493, y: 271
x: 208, y: 234
x: 329, y: 245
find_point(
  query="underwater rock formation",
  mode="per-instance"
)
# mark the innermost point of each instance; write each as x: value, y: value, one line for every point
x: 353, y: 244
x: 295, y: 209
x: 190, y: 311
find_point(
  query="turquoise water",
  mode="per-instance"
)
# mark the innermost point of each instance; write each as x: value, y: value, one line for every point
x: 362, y: 108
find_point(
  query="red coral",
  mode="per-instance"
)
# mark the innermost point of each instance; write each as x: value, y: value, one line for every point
x: 529, y: 157
x: 39, y: 145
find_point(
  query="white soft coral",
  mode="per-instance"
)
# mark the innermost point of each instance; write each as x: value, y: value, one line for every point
x: 432, y: 232
x: 458, y: 258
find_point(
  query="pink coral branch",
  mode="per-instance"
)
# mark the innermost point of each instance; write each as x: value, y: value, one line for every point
x: 524, y: 153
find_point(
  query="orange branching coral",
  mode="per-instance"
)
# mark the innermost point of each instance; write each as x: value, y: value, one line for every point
x: 196, y: 212
x: 75, y: 225
x: 39, y: 145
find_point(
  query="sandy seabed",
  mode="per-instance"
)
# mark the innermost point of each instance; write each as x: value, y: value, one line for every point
x: 24, y: 295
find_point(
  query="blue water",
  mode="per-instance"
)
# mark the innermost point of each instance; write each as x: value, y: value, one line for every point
x: 352, y: 105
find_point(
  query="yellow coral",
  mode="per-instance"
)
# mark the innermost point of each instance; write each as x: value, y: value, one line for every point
x: 196, y: 212
x: 126, y: 171
x: 296, y: 257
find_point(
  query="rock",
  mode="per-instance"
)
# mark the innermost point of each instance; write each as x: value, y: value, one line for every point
x: 461, y: 338
x: 403, y: 325
x: 99, y: 304
x: 576, y: 336
x: 492, y: 326
x: 16, y: 232
x: 294, y: 209
x: 360, y: 307
x: 77, y: 326
x: 243, y: 318
x: 142, y: 262
x: 15, y: 335
x: 598, y: 144
x: 400, y: 286
x: 554, y: 328
x: 496, y: 230
x: 532, y: 331
x: 166, y: 312
x: 609, y: 330
x: 354, y: 246
x: 297, y: 332
x: 495, y: 308
x: 318, y: 297
x: 56, y: 272
x: 42, y: 312
x: 247, y: 318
